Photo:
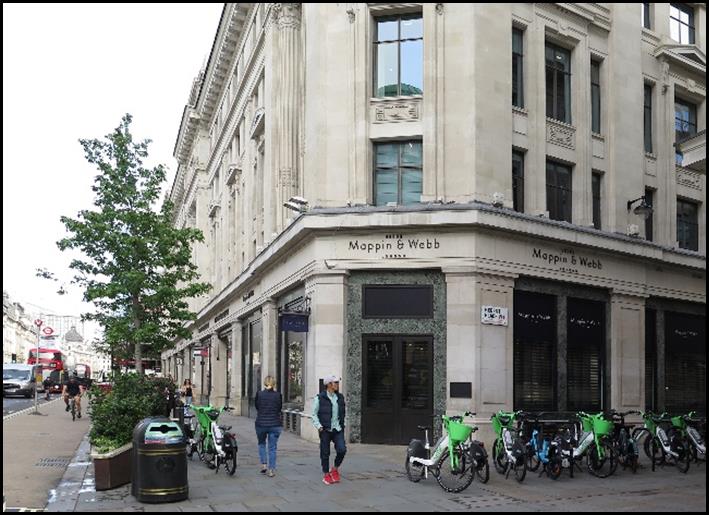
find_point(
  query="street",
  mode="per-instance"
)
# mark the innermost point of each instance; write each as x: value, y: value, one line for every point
x: 12, y: 405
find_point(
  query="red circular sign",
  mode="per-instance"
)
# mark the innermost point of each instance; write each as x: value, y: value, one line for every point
x: 38, y: 323
x: 48, y: 330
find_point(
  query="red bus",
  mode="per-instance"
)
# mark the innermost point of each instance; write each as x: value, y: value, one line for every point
x: 53, y: 363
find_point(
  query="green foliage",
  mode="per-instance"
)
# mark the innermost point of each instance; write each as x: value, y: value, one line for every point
x: 115, y: 414
x: 136, y: 266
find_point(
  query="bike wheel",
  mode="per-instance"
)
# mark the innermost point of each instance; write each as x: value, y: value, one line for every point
x: 483, y: 472
x: 455, y: 481
x: 73, y: 410
x: 499, y: 456
x: 230, y: 461
x: 533, y: 460
x: 554, y: 469
x: 604, y: 465
x: 414, y: 471
x: 520, y: 470
x: 649, y: 447
x: 684, y: 458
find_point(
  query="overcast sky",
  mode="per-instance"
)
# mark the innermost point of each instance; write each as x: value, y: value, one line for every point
x: 71, y: 71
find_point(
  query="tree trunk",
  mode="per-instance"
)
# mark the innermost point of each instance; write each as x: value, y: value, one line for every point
x: 138, y: 349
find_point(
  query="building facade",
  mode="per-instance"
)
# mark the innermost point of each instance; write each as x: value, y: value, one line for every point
x: 19, y: 334
x: 506, y: 208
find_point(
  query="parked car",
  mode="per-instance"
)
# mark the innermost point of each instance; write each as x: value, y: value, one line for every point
x: 19, y: 379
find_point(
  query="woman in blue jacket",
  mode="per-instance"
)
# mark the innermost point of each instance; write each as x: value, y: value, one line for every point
x: 268, y: 424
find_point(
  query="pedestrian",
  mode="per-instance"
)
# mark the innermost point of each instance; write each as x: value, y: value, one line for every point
x: 186, y: 391
x: 268, y: 424
x: 329, y: 420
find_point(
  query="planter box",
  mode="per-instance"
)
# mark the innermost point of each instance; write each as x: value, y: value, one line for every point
x: 113, y: 468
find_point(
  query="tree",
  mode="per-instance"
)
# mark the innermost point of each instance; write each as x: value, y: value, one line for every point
x: 136, y: 266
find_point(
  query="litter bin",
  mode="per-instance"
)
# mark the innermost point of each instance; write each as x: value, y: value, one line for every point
x: 159, y: 462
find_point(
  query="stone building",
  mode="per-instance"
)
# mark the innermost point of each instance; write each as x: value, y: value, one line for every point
x: 490, y: 206
x: 19, y: 334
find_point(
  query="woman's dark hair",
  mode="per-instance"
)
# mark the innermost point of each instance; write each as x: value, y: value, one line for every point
x: 187, y: 381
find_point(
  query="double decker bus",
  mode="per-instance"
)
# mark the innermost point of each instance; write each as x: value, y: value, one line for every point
x: 53, y: 363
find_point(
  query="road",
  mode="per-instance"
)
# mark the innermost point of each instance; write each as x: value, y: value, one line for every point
x: 14, y: 404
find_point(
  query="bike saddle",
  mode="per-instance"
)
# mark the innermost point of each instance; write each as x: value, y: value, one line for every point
x: 225, y: 428
x: 504, y: 420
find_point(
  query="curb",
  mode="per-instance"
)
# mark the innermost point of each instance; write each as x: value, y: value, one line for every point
x: 27, y: 410
x: 66, y: 495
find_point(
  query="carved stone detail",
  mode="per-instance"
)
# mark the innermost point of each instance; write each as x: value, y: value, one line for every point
x: 689, y: 179
x: 560, y: 135
x: 287, y: 16
x: 396, y: 112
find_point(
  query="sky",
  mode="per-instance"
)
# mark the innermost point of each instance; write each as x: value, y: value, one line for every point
x: 72, y: 71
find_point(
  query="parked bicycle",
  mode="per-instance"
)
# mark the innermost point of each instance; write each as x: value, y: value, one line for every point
x: 626, y: 447
x: 542, y: 450
x: 596, y: 444
x: 686, y: 425
x: 454, y: 461
x: 663, y: 446
x: 508, y: 451
x: 214, y: 444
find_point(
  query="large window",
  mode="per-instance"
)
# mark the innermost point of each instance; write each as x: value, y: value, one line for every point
x: 596, y: 96
x: 685, y: 123
x: 682, y: 23
x: 518, y: 181
x: 585, y: 354
x: 398, y: 175
x: 558, y: 83
x: 647, y: 117
x: 646, y: 15
x: 559, y: 191
x: 685, y: 363
x: 398, y: 45
x: 649, y: 225
x: 687, y: 225
x: 596, y: 190
x: 517, y: 68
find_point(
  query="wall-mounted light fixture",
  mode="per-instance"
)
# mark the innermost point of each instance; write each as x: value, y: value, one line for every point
x: 644, y: 209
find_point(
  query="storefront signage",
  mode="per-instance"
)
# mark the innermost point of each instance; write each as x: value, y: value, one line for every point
x: 294, y: 322
x: 566, y: 260
x: 493, y: 315
x: 393, y: 246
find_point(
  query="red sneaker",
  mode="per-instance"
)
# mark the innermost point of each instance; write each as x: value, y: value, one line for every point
x: 335, y: 475
x: 327, y: 479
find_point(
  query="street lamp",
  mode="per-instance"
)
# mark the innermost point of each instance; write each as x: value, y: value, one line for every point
x: 644, y: 209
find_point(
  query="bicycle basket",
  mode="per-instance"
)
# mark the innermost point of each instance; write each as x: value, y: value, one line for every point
x: 602, y: 426
x: 587, y: 424
x: 458, y: 432
x: 500, y: 420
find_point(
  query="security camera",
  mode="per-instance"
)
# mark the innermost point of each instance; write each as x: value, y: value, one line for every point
x: 298, y: 200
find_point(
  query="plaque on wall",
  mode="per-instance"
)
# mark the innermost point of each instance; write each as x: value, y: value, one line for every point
x: 461, y: 390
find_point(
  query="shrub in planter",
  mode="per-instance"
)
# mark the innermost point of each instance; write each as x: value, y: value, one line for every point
x: 114, y: 414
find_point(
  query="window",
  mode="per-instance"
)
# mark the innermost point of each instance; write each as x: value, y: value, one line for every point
x: 517, y: 68
x: 398, y: 173
x: 558, y: 83
x: 682, y: 24
x: 394, y: 301
x: 685, y: 123
x: 399, y: 56
x: 558, y: 191
x: 649, y: 228
x: 685, y: 363
x: 647, y: 118
x: 596, y: 190
x: 586, y: 340
x: 518, y: 181
x: 687, y: 225
x: 646, y: 15
x: 596, y: 96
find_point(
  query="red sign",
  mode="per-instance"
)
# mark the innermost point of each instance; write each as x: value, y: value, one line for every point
x: 205, y: 352
x: 48, y: 331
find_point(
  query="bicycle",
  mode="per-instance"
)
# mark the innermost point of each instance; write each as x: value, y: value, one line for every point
x: 508, y: 452
x: 542, y: 451
x: 661, y: 446
x: 465, y: 458
x: 72, y: 407
x: 626, y: 447
x: 683, y: 424
x: 215, y: 445
x: 596, y: 444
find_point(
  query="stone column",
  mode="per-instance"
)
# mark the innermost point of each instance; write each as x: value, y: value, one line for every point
x: 269, y: 323
x: 219, y: 367
x: 627, y: 359
x: 186, y: 364
x: 236, y: 364
x: 479, y: 353
x: 325, y: 347
x: 288, y: 101
x: 535, y: 196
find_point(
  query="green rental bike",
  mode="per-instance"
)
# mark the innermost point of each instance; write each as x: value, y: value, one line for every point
x: 685, y: 424
x: 596, y: 443
x: 216, y: 445
x: 508, y: 451
x: 454, y: 461
x: 664, y: 446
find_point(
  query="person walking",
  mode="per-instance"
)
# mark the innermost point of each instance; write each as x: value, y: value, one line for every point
x: 329, y: 420
x: 268, y: 404
x: 186, y: 391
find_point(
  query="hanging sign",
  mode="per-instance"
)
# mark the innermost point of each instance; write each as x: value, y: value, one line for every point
x: 293, y: 322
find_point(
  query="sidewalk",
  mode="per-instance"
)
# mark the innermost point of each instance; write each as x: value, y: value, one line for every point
x: 374, y: 480
x: 36, y: 451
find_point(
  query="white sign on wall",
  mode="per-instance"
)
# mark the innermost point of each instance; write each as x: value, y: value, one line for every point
x: 493, y: 315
